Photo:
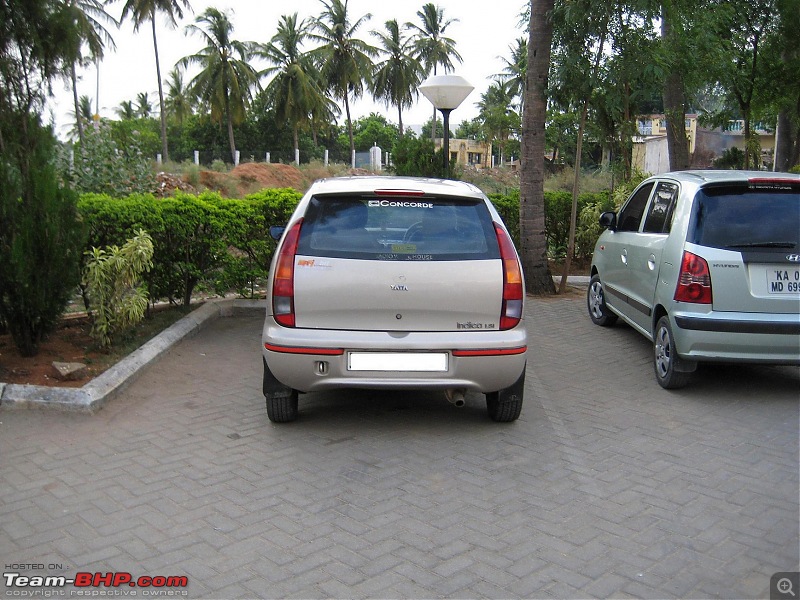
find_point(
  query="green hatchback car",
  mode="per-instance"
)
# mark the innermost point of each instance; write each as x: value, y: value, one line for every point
x: 705, y: 264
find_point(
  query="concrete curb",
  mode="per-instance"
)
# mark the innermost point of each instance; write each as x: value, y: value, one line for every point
x: 91, y: 397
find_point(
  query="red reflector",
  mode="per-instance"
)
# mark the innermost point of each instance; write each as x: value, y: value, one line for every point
x: 778, y: 180
x: 491, y: 352
x: 694, y: 280
x: 300, y: 350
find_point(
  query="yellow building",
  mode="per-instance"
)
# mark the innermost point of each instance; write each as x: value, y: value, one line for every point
x: 656, y: 125
x: 468, y: 153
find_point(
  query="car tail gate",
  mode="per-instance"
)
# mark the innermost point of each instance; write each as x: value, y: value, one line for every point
x: 749, y: 238
x: 398, y: 262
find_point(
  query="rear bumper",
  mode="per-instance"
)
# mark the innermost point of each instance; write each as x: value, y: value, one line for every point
x: 315, y: 360
x: 738, y: 337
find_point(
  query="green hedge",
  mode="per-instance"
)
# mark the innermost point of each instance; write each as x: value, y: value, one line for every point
x: 221, y: 243
x: 557, y: 210
x: 224, y: 244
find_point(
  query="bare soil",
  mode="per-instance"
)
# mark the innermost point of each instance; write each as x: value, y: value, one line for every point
x: 71, y: 342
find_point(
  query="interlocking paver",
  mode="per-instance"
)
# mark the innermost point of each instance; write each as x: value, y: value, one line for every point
x: 606, y: 486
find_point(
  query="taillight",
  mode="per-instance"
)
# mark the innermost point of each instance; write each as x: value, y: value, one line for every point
x: 283, y: 281
x: 511, y: 311
x: 694, y: 281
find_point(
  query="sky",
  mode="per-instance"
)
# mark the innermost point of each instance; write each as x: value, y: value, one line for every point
x: 485, y: 32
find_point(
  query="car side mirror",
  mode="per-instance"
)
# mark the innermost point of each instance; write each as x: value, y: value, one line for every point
x: 609, y: 220
x: 276, y: 231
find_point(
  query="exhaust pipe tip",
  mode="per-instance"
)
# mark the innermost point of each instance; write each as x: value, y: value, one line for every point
x: 455, y: 397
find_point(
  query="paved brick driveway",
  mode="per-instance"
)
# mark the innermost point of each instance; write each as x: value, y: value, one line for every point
x: 607, y: 485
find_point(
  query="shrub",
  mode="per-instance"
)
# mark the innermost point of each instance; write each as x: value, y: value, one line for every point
x: 199, y: 240
x: 558, y: 207
x: 103, y: 166
x: 41, y: 236
x: 732, y: 158
x: 416, y: 157
x: 112, y: 278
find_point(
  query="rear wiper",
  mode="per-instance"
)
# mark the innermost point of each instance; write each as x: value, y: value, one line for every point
x: 764, y: 245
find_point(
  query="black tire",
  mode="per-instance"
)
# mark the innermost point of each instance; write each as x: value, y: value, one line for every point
x: 282, y: 407
x: 671, y: 371
x: 596, y: 303
x: 281, y: 400
x: 505, y: 406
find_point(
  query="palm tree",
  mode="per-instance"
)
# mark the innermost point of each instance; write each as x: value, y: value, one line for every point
x: 345, y: 59
x: 144, y: 107
x: 126, y: 110
x: 294, y: 91
x: 533, y: 241
x: 89, y: 18
x: 431, y: 46
x: 516, y: 68
x: 82, y: 116
x: 496, y: 113
x: 146, y: 10
x: 179, y: 102
x: 396, y: 78
x: 225, y: 81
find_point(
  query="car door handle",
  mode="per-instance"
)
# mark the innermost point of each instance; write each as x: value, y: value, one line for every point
x: 651, y: 262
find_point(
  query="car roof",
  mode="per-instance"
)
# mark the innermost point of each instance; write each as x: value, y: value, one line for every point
x: 372, y: 183
x: 701, y: 177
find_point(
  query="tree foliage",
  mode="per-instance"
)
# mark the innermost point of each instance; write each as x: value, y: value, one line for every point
x: 113, y: 164
x: 40, y: 236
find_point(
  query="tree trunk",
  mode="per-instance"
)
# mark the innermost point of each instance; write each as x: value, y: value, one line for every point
x: 783, y: 142
x: 674, y: 105
x: 573, y: 219
x: 533, y: 242
x: 164, y: 150
x: 400, y: 119
x: 230, y: 137
x: 78, y: 120
x: 349, y: 125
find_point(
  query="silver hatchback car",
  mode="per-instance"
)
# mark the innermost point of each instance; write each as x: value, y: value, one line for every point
x: 392, y: 283
x: 706, y: 264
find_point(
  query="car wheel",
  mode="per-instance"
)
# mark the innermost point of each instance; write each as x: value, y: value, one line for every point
x: 282, y: 406
x: 505, y: 405
x: 671, y: 373
x: 596, y: 302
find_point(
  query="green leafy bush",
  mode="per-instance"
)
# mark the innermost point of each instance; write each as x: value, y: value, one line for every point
x: 204, y: 240
x: 102, y: 165
x: 112, y: 277
x: 558, y: 206
x: 416, y: 157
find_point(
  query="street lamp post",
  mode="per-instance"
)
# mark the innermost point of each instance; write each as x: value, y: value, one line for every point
x: 446, y: 93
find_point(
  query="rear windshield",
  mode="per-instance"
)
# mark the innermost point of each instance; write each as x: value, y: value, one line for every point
x: 742, y: 218
x: 398, y: 229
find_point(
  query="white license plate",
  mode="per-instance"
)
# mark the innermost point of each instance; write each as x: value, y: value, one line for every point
x: 781, y: 280
x: 426, y: 362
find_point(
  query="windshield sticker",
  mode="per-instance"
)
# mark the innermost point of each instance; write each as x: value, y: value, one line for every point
x: 404, y: 248
x: 399, y: 204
